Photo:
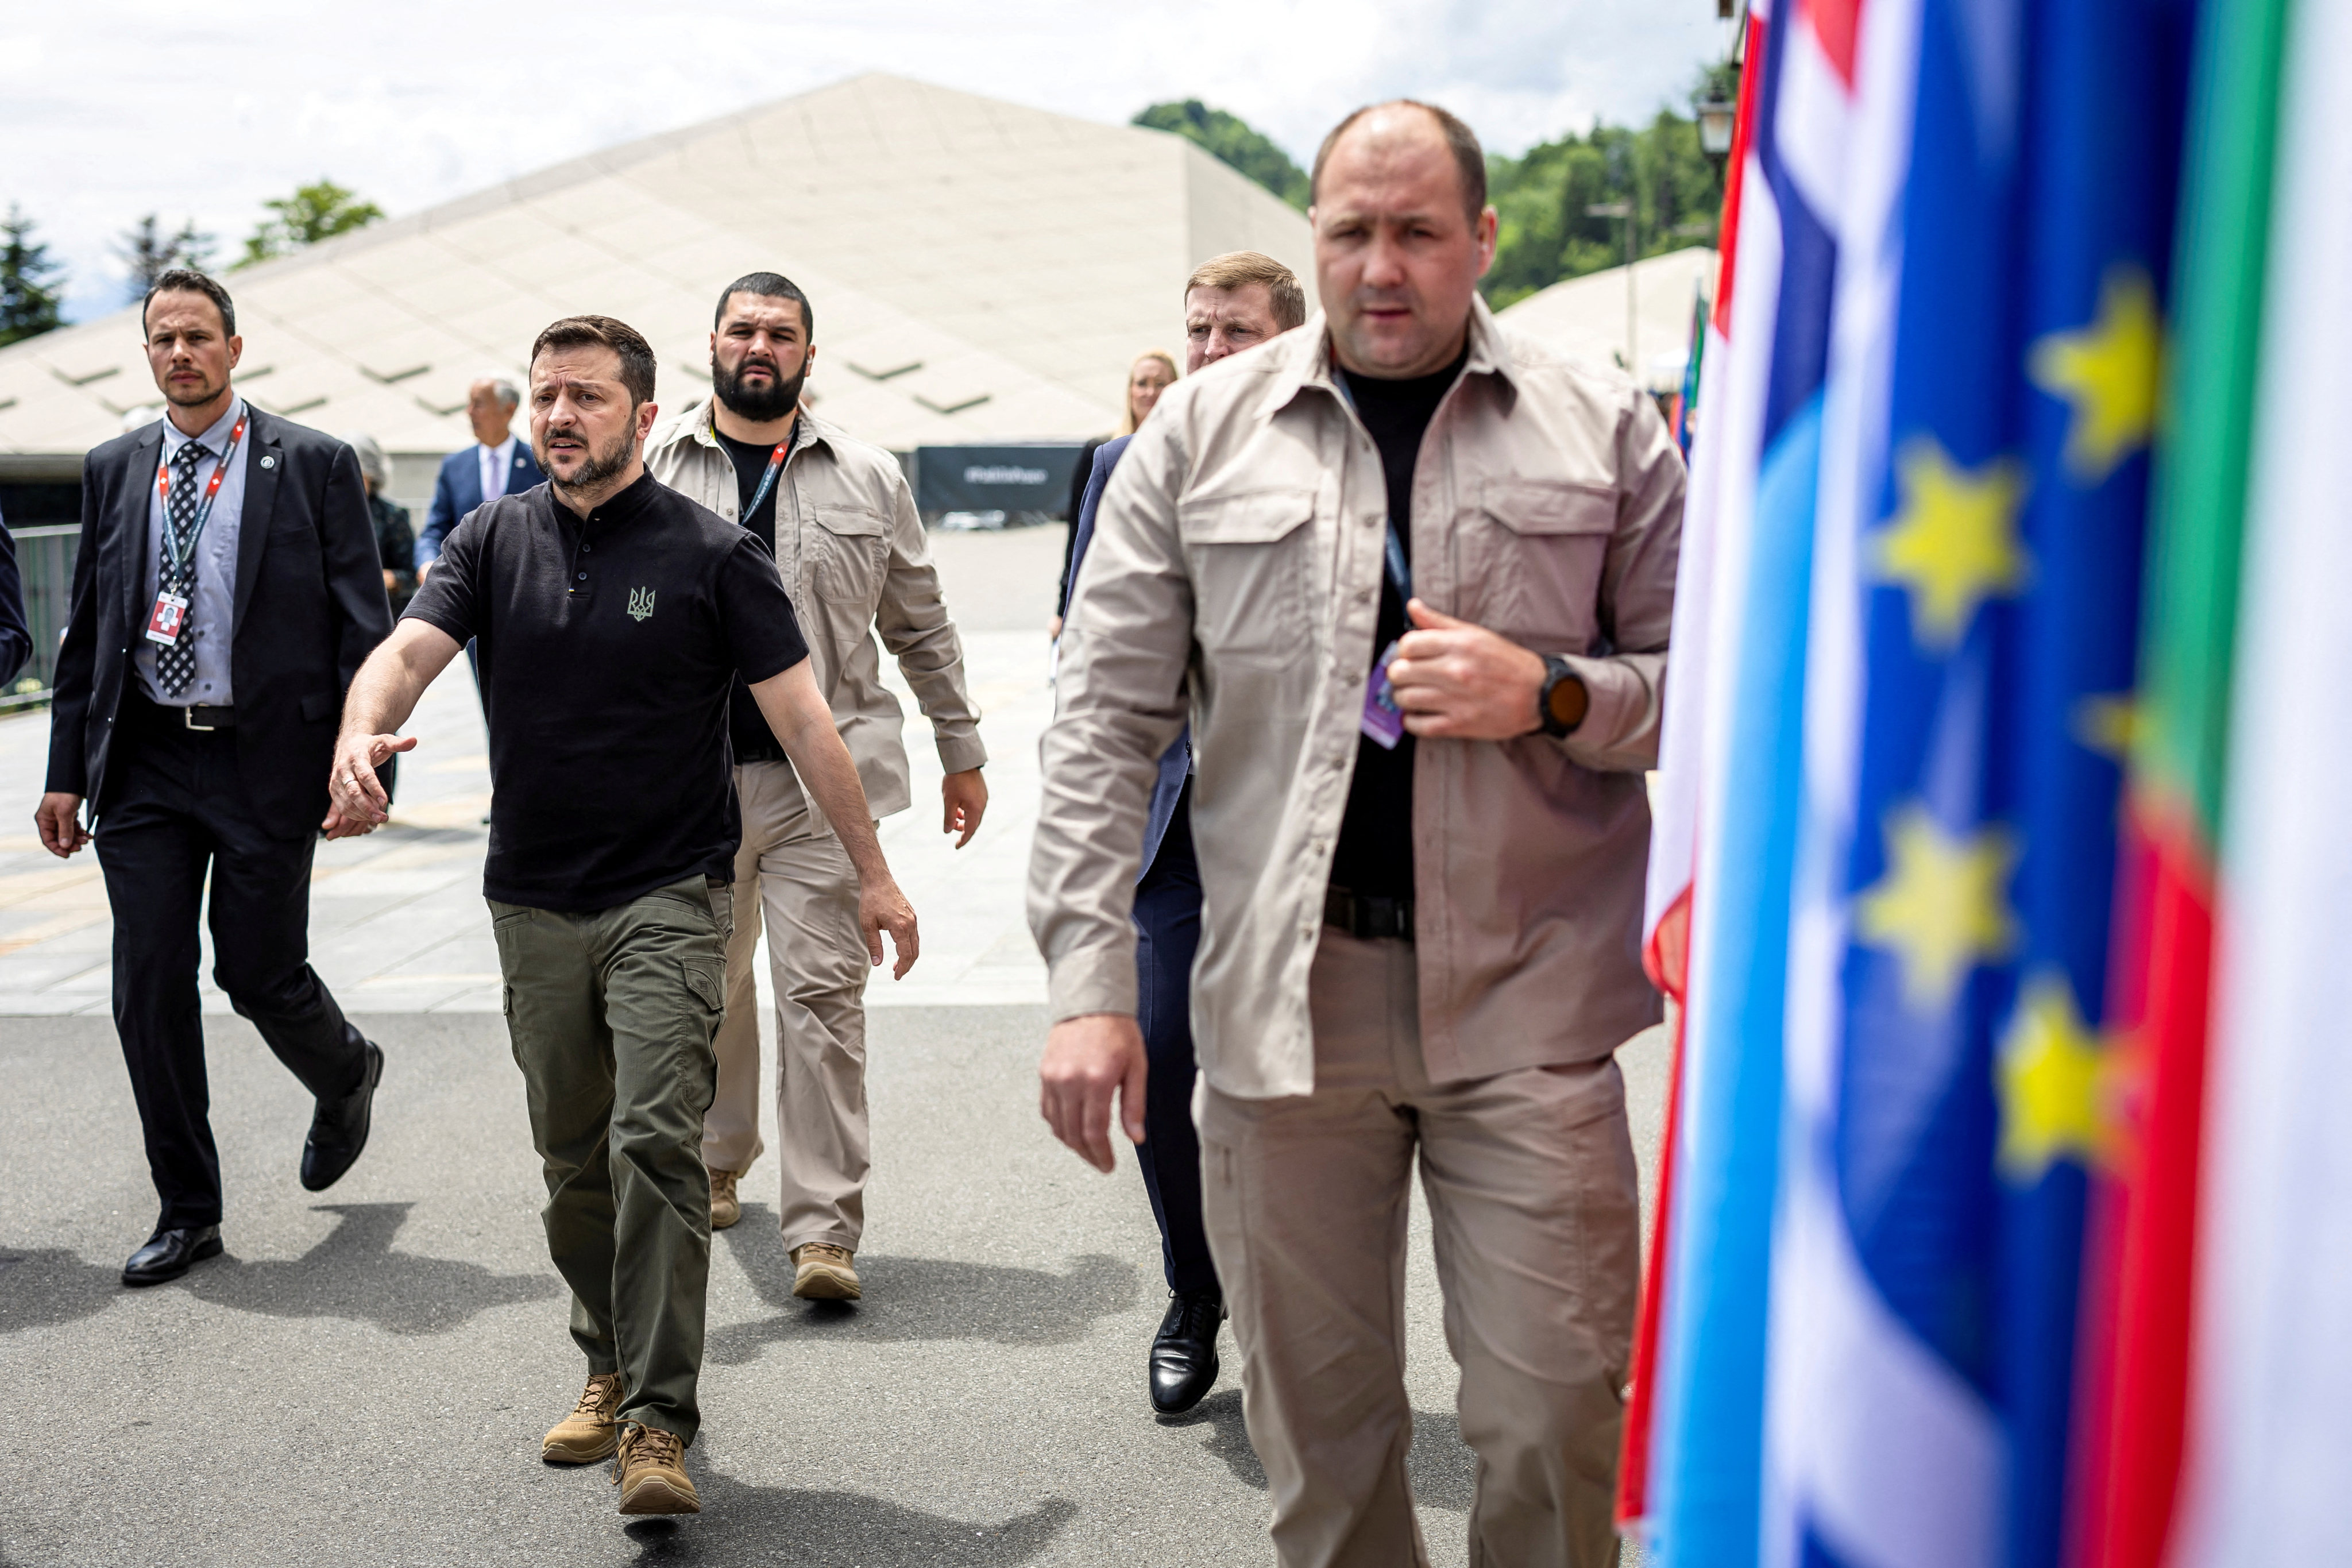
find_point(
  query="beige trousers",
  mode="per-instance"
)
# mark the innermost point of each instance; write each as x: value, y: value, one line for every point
x: 794, y: 880
x: 1532, y: 1197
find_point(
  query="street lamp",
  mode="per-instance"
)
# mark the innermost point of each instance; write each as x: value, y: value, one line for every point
x: 1624, y: 210
x: 1715, y: 121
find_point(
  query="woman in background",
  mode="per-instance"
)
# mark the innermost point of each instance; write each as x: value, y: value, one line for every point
x: 395, y: 540
x: 1153, y: 372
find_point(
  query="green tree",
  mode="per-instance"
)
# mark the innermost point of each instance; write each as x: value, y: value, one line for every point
x: 148, y: 252
x: 313, y: 212
x: 1543, y: 195
x: 1232, y: 140
x: 32, y: 287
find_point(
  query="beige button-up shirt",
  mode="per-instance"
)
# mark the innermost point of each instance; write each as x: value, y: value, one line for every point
x: 856, y: 563
x: 1236, y: 576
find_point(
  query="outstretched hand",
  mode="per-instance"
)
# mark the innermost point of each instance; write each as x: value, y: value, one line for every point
x: 1090, y: 1061
x: 357, y: 802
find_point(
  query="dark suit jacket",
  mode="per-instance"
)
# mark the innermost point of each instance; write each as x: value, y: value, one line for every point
x: 16, y: 642
x: 309, y: 608
x: 1176, y: 762
x: 458, y: 491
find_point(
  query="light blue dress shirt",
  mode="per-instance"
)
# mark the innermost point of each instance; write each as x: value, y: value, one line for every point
x: 214, y: 604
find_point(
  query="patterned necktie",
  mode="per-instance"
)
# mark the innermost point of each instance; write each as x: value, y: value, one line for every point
x: 177, y: 666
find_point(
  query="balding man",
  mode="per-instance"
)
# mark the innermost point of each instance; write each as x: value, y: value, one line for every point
x: 1410, y: 578
x: 495, y: 464
x: 1232, y: 302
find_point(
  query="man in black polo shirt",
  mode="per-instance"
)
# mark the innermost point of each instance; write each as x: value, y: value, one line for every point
x: 612, y: 615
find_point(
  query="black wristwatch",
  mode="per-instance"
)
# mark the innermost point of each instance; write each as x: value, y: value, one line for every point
x: 1562, y: 701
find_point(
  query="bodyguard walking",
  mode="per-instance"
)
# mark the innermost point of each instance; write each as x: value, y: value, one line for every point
x: 225, y: 592
x: 1415, y: 577
x: 848, y: 547
x: 1232, y: 302
x: 613, y: 617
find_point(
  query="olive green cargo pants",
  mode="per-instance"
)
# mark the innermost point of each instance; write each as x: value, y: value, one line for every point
x: 611, y: 1016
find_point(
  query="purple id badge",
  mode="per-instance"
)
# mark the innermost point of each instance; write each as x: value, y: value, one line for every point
x: 1382, y: 720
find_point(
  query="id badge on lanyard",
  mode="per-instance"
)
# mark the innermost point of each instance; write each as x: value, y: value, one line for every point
x: 1383, y: 720
x: 170, y: 613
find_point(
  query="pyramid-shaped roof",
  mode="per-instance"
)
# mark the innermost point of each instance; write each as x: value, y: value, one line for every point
x: 980, y: 271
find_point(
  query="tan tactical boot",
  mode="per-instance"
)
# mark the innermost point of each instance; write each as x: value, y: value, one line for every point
x: 823, y: 1272
x: 725, y: 1208
x: 586, y: 1434
x: 651, y: 1472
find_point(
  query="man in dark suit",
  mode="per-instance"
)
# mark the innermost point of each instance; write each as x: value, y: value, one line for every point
x: 226, y: 594
x: 495, y: 464
x: 1230, y: 303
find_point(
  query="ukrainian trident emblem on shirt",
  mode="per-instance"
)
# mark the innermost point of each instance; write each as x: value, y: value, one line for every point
x: 641, y: 603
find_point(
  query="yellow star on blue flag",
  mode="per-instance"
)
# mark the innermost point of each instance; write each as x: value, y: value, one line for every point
x: 1953, y: 543
x: 1943, y: 906
x: 2108, y: 371
x: 2054, y: 1083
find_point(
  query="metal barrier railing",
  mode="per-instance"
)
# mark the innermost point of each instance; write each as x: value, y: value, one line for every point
x: 44, y: 555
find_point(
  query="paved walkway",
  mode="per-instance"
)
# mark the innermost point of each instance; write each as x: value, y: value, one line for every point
x: 364, y: 1379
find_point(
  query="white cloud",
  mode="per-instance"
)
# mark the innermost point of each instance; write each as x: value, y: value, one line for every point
x: 140, y: 106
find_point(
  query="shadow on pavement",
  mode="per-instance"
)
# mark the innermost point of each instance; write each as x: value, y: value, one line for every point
x: 353, y: 1273
x: 919, y: 1298
x: 1444, y: 1469
x: 50, y: 1286
x: 742, y: 1523
x: 1221, y: 1412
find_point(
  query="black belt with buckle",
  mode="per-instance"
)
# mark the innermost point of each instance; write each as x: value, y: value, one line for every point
x: 204, y: 716
x: 1367, y: 919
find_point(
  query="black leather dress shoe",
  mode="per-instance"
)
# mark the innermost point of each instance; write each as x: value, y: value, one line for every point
x: 338, y: 1131
x: 1184, y: 1351
x: 172, y: 1253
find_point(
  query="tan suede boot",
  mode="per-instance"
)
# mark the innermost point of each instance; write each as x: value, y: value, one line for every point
x: 725, y: 1207
x: 651, y: 1472
x: 586, y: 1434
x: 823, y: 1272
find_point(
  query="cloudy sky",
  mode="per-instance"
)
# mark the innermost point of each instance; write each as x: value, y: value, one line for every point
x: 111, y: 109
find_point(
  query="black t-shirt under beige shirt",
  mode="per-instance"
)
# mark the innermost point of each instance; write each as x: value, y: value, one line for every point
x: 1374, y: 854
x: 608, y: 649
x: 753, y: 741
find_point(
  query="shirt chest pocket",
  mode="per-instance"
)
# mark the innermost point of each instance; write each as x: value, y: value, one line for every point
x: 1248, y: 556
x: 1534, y: 552
x: 848, y: 551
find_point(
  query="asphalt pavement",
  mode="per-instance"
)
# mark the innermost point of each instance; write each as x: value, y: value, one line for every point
x: 364, y: 1377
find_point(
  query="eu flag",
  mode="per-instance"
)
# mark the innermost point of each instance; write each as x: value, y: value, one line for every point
x: 1970, y: 690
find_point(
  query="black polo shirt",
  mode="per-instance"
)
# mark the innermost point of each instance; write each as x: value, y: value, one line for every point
x: 608, y: 650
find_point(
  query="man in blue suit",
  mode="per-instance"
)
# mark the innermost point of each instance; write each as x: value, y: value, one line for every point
x: 496, y: 465
x: 1230, y: 303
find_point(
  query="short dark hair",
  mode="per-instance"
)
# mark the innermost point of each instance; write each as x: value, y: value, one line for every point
x: 1240, y: 268
x: 1469, y: 158
x: 188, y: 280
x: 636, y: 354
x: 768, y: 286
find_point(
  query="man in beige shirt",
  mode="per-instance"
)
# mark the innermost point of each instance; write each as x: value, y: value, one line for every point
x: 840, y: 521
x: 1423, y: 893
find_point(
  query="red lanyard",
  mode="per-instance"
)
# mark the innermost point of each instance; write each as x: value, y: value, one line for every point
x: 181, y: 550
x: 768, y: 479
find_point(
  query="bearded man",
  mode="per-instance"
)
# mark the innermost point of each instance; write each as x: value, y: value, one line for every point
x: 840, y: 523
